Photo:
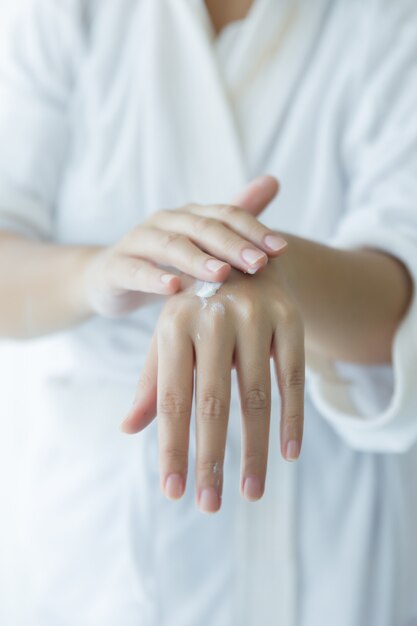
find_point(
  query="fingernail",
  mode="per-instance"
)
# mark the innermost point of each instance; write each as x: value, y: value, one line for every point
x: 123, y: 426
x: 252, y: 488
x: 214, y: 266
x: 252, y: 257
x: 293, y: 450
x: 262, y: 181
x: 209, y: 500
x: 174, y: 486
x: 166, y: 278
x: 275, y: 243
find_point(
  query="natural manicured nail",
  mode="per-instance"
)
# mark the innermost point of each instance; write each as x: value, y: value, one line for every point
x: 215, y: 266
x: 209, y: 500
x: 293, y: 450
x: 252, y: 257
x: 252, y: 488
x: 124, y: 425
x: 263, y: 181
x: 128, y: 426
x: 174, y: 486
x: 275, y: 243
x: 166, y: 278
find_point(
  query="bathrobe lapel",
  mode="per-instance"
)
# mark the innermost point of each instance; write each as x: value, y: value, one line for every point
x: 193, y: 119
x: 265, y: 61
x: 188, y: 112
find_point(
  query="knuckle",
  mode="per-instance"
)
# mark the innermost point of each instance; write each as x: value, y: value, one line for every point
x: 256, y: 461
x: 172, y: 322
x: 210, y: 466
x: 172, y: 405
x: 235, y: 243
x: 172, y: 239
x: 212, y: 408
x: 202, y: 224
x: 175, y: 454
x: 258, y: 230
x: 293, y: 418
x: 293, y: 378
x: 256, y: 402
x: 229, y: 209
x: 249, y: 310
x: 288, y: 313
x: 293, y: 423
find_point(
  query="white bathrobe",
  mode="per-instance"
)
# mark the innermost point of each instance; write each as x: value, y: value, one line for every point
x: 111, y: 110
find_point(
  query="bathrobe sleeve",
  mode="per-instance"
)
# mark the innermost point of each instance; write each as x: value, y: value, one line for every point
x: 375, y: 408
x: 40, y: 51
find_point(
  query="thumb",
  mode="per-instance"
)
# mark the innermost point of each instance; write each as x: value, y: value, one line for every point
x: 143, y: 410
x: 257, y: 195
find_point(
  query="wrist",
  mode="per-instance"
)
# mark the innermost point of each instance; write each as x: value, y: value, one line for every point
x: 85, y: 260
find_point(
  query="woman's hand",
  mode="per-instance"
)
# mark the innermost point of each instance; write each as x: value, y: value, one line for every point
x: 247, y: 321
x: 203, y: 242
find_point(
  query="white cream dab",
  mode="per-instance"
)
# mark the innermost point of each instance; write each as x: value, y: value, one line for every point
x: 217, y: 472
x: 217, y: 307
x: 216, y: 468
x: 207, y: 290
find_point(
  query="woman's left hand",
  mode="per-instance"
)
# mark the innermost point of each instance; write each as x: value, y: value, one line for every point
x: 250, y: 319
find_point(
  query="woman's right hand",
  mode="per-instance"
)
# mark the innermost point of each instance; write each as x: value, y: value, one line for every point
x: 202, y: 242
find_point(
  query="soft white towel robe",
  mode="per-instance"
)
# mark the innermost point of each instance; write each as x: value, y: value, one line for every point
x: 111, y: 110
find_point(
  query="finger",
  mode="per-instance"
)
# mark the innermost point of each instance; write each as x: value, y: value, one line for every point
x: 257, y: 195
x: 204, y: 227
x: 174, y: 402
x: 289, y: 358
x: 175, y: 250
x: 133, y: 274
x: 254, y: 379
x: 214, y: 353
x: 143, y: 410
x: 229, y: 228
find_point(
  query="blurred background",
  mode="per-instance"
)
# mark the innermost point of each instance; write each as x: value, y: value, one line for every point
x: 11, y: 434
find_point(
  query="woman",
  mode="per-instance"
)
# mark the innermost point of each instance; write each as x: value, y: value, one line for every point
x: 110, y: 112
